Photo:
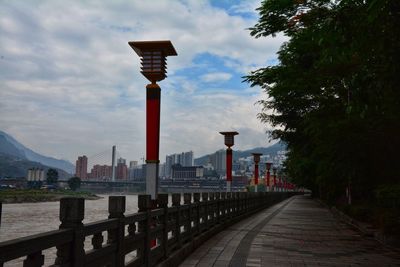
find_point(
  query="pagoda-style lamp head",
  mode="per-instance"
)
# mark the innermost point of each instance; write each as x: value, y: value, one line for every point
x: 153, y: 56
x: 269, y: 164
x: 257, y: 157
x: 229, y: 138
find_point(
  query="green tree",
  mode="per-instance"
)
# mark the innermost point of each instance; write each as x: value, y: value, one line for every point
x: 52, y: 176
x: 74, y: 183
x: 334, y: 93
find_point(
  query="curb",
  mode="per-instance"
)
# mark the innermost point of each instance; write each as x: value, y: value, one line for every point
x: 364, y: 228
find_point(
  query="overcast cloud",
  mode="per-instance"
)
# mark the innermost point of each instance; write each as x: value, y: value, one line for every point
x: 70, y: 84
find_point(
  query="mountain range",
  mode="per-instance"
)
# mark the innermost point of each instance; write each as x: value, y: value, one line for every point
x: 271, y: 150
x: 16, y: 159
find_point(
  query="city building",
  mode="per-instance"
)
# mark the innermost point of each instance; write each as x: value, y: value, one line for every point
x: 187, y: 172
x: 138, y: 173
x: 102, y: 172
x: 133, y: 164
x: 218, y: 161
x: 81, y: 167
x: 35, y: 174
x: 184, y: 159
x: 122, y: 170
x: 161, y: 170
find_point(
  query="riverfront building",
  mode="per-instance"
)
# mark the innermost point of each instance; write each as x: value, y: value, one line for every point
x: 184, y: 159
x: 218, y: 161
x: 122, y: 169
x: 35, y: 174
x: 101, y: 172
x: 187, y: 172
x: 81, y: 167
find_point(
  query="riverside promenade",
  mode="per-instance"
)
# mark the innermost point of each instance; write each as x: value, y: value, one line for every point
x: 296, y: 232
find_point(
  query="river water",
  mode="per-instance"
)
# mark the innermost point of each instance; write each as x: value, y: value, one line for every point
x: 24, y: 219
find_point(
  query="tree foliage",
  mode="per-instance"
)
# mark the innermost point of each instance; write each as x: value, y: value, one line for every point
x: 74, y: 183
x: 52, y: 176
x: 334, y: 94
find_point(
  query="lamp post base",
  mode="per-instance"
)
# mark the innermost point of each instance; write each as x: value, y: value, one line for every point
x: 255, y: 188
x: 152, y: 180
x: 228, y: 186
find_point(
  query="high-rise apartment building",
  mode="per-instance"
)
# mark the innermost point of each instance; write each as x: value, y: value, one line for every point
x: 101, y: 172
x: 187, y: 159
x: 81, y: 167
x: 122, y: 169
x: 184, y: 159
x: 218, y: 161
x: 138, y: 173
x: 133, y: 164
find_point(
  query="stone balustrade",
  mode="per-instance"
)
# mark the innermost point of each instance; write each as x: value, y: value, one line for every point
x: 158, y: 234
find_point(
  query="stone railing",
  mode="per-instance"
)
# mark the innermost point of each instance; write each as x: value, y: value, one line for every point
x: 162, y: 236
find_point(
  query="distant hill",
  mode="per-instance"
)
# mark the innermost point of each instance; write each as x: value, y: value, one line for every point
x: 11, y: 148
x: 271, y: 150
x: 14, y: 167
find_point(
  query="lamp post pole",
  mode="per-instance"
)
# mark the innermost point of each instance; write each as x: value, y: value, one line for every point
x: 153, y: 58
x: 280, y: 181
x: 256, y: 157
x: 274, y: 174
x: 268, y: 174
x: 229, y: 141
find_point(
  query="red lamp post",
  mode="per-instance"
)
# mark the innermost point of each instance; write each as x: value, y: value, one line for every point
x: 268, y: 174
x: 153, y: 58
x: 256, y: 157
x: 229, y: 141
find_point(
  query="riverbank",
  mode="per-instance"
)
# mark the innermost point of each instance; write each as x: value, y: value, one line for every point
x: 9, y: 196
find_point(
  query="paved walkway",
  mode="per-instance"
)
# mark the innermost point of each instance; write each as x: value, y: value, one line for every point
x: 296, y: 232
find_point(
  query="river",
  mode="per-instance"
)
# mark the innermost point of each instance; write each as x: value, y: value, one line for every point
x: 23, y: 219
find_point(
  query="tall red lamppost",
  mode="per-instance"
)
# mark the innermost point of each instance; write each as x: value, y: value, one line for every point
x: 283, y: 178
x: 268, y: 174
x: 256, y: 157
x: 279, y: 179
x: 153, y: 58
x: 229, y: 141
x: 274, y: 174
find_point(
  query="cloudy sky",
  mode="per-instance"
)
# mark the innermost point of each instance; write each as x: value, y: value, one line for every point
x: 70, y: 84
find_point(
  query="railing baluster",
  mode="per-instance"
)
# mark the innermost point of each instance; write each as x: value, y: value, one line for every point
x: 34, y: 260
x: 176, y: 202
x: 162, y: 202
x: 187, y: 200
x: 218, y: 207
x: 97, y: 240
x: 116, y: 209
x: 211, y: 209
x: 204, y: 200
x: 196, y: 197
x: 144, y: 227
x: 223, y: 206
x: 228, y: 206
x: 72, y: 212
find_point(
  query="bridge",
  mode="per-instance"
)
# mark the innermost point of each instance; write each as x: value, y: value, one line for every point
x: 207, y: 229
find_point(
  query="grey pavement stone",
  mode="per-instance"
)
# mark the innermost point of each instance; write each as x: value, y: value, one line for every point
x: 302, y: 233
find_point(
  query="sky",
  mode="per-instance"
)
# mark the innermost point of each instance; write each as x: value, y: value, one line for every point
x: 70, y: 84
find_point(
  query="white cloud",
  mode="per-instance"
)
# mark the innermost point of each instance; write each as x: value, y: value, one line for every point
x: 216, y: 77
x: 70, y: 84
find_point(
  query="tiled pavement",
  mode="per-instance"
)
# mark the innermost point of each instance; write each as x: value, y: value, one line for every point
x: 296, y: 232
